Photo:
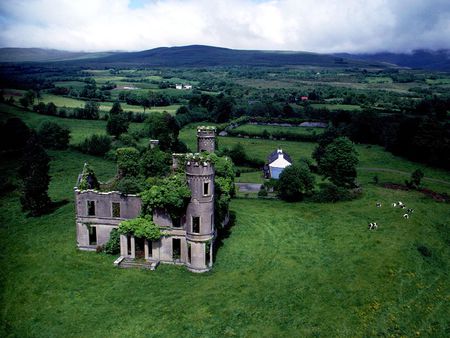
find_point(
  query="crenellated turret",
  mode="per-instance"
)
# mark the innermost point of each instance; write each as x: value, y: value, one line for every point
x: 200, y: 229
x: 206, y: 139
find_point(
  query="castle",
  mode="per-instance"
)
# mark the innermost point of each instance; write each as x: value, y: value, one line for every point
x: 188, y: 242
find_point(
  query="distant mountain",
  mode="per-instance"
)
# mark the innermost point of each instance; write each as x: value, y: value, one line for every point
x: 422, y: 59
x: 44, y: 55
x: 203, y: 56
x: 200, y: 56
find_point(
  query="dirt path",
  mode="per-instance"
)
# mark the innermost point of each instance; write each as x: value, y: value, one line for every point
x: 404, y: 173
x: 248, y: 187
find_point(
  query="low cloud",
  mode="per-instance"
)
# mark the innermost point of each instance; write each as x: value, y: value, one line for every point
x: 308, y: 25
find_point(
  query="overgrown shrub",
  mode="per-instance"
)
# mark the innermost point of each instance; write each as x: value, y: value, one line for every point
x: 97, y: 145
x: 53, y: 136
x: 424, y: 251
x: 262, y: 192
x: 112, y: 247
x: 330, y: 192
x: 129, y: 185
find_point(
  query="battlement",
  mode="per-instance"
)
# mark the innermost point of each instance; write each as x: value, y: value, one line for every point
x: 206, y: 138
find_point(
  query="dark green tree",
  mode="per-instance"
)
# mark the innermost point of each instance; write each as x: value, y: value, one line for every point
x: 91, y: 110
x: 13, y: 134
x: 117, y: 123
x: 53, y: 136
x: 127, y: 162
x: 154, y: 163
x: 163, y: 127
x: 34, y: 173
x: 339, y: 162
x: 295, y: 182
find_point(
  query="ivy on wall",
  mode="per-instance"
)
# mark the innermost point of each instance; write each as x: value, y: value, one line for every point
x: 141, y: 227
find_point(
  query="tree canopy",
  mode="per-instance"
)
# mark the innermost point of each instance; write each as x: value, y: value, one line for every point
x: 339, y: 162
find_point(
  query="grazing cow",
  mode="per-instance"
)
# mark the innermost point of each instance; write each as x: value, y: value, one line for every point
x: 373, y: 225
x: 403, y: 206
x: 394, y: 204
x: 400, y: 204
x: 378, y: 204
x: 410, y: 211
x: 406, y: 216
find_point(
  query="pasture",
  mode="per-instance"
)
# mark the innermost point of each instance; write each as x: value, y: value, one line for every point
x: 258, y: 129
x: 301, y: 269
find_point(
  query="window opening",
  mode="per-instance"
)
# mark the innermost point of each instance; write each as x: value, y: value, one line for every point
x: 92, y: 235
x: 196, y: 225
x: 91, y: 208
x: 205, y: 188
x: 115, y: 209
x: 176, y: 248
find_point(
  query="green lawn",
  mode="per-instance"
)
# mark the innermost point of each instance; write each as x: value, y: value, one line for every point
x: 254, y: 128
x: 79, y: 129
x: 288, y: 270
x: 338, y: 106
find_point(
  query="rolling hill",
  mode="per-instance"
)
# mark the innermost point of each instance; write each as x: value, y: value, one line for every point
x: 203, y: 56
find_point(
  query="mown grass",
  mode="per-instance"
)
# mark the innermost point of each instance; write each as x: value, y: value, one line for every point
x: 301, y: 269
x: 253, y: 128
x: 79, y: 129
x: 337, y: 106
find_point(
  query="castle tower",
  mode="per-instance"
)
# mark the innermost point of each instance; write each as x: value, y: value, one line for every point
x: 200, y: 230
x: 206, y: 139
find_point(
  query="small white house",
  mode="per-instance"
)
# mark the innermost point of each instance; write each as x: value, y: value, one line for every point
x: 277, y: 161
x: 187, y: 86
x: 178, y: 86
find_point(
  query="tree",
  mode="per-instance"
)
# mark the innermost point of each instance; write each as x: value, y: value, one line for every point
x: 127, y: 162
x: 163, y: 127
x: 91, y: 110
x: 154, y: 163
x: 13, y: 134
x: 339, y: 162
x: 416, y: 178
x: 53, y: 136
x: 34, y: 173
x: 117, y: 123
x: 295, y: 182
x: 28, y: 99
x: 97, y: 145
x: 324, y: 140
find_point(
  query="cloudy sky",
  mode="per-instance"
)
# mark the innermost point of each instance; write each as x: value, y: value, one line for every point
x: 306, y: 25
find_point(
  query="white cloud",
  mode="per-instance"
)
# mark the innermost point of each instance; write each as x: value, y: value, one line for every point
x: 311, y: 25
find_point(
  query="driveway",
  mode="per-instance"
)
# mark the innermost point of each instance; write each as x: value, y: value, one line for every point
x: 248, y: 187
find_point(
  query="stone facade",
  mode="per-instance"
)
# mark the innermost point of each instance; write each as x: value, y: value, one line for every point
x: 189, y: 242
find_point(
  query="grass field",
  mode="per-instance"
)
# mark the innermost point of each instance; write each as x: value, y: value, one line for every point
x: 79, y: 129
x: 286, y: 270
x: 338, y: 106
x: 370, y: 156
x: 253, y: 128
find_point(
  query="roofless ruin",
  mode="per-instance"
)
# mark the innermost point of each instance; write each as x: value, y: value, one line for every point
x: 187, y: 240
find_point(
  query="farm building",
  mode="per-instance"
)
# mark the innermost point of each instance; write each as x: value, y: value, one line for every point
x: 187, y: 242
x: 276, y: 162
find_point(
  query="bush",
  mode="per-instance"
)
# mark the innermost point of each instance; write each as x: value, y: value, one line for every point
x: 424, y: 251
x: 97, y: 145
x: 129, y: 185
x: 330, y: 192
x: 127, y: 162
x: 295, y: 182
x: 262, y: 192
x: 112, y: 247
x: 53, y: 136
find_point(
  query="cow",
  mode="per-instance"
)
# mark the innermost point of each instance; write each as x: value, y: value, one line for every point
x: 373, y: 225
x: 406, y: 216
x: 378, y: 204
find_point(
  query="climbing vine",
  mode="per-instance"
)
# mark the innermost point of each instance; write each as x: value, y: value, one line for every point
x: 88, y: 179
x: 141, y: 227
x: 171, y: 194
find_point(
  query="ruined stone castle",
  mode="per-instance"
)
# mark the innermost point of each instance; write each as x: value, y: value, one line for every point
x: 186, y: 242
